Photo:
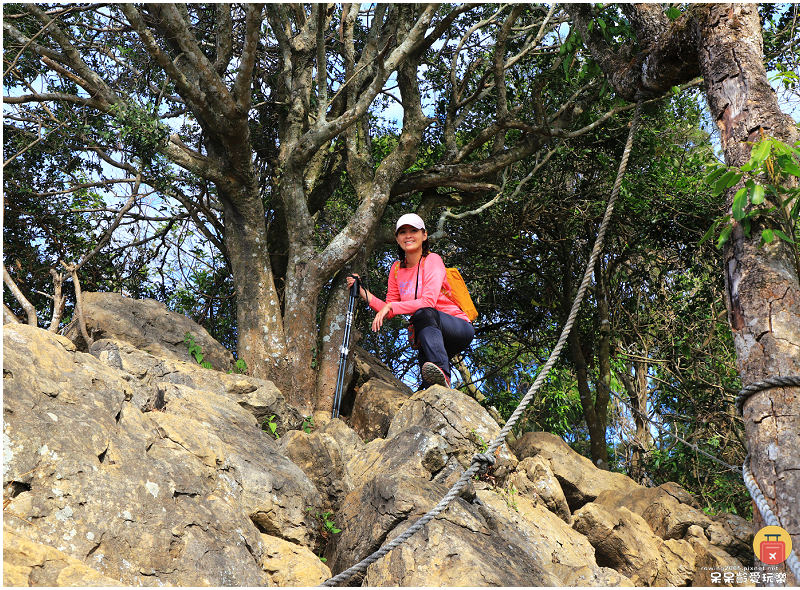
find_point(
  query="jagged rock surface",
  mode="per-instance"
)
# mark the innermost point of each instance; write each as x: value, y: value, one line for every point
x: 133, y: 465
x: 148, y: 325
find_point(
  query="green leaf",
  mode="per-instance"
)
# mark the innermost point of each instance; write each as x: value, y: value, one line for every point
x: 676, y: 90
x: 758, y: 194
x: 761, y: 151
x: 715, y: 173
x: 739, y: 203
x: 792, y: 168
x: 711, y: 231
x: 727, y: 180
x: 672, y: 13
x: 767, y: 236
x: 783, y: 236
x: 723, y: 237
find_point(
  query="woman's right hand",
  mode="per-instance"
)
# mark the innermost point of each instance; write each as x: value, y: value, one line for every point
x: 351, y: 280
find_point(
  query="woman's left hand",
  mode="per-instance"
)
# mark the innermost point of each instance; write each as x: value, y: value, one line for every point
x: 377, y: 323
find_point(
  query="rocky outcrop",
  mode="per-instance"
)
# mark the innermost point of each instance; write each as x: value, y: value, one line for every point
x: 261, y: 398
x: 148, y: 325
x: 26, y: 563
x: 323, y: 456
x: 580, y: 480
x: 461, y: 421
x: 375, y: 405
x: 128, y: 466
x: 288, y: 564
x: 162, y: 497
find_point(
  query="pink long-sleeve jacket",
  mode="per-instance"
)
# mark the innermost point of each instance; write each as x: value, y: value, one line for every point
x: 403, y: 283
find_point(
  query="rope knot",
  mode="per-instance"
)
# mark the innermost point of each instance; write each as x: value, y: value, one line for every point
x: 485, y: 460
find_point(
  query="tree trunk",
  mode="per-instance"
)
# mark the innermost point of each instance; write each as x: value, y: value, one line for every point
x: 603, y: 385
x: 595, y: 421
x: 635, y: 380
x: 723, y: 43
x: 260, y: 335
x: 762, y: 289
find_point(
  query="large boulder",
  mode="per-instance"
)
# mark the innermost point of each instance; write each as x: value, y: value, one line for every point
x: 148, y: 325
x: 172, y: 497
x: 678, y: 565
x: 733, y: 534
x: 375, y: 405
x: 462, y: 422
x: 323, y: 455
x: 667, y: 517
x: 544, y: 536
x: 415, y: 452
x: 458, y: 548
x: 534, y: 479
x: 622, y: 541
x: 580, y: 480
x: 261, y: 398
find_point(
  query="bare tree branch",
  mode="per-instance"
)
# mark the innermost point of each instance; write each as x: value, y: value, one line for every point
x: 23, y: 301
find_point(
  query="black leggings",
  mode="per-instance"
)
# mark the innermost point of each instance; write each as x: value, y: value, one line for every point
x: 440, y: 337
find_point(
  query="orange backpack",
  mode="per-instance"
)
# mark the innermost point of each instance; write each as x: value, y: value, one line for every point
x: 458, y: 293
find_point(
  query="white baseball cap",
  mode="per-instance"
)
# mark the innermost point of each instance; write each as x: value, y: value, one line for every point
x: 411, y: 219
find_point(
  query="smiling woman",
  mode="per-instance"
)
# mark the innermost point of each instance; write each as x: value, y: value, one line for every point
x: 418, y: 286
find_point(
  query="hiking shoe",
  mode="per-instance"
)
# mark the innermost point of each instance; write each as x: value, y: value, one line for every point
x: 433, y: 374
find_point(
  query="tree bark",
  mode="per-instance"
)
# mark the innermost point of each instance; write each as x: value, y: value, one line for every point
x: 723, y: 43
x: 594, y: 409
x: 762, y: 288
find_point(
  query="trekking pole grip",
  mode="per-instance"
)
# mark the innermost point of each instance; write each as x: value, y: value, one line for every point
x: 355, y: 290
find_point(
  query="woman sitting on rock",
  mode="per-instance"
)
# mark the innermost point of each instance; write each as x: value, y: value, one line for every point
x: 441, y: 330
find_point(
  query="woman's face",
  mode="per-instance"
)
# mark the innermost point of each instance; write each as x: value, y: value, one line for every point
x: 410, y: 239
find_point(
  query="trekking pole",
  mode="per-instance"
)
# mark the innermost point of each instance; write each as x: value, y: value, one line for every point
x: 337, y: 398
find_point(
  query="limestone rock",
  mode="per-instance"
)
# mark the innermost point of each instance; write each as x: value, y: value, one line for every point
x: 319, y: 456
x: 535, y: 479
x: 458, y: 548
x: 375, y: 405
x: 588, y: 576
x: 542, y: 534
x: 147, y: 325
x: 668, y: 518
x: 713, y: 559
x: 27, y: 563
x: 369, y: 368
x: 149, y: 498
x: 580, y: 480
x: 415, y: 452
x: 261, y: 398
x: 461, y: 421
x: 679, y: 563
x: 735, y: 536
x: 621, y: 541
x: 288, y: 564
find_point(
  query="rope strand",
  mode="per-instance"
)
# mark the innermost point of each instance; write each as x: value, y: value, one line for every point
x: 766, y: 512
x: 479, y: 461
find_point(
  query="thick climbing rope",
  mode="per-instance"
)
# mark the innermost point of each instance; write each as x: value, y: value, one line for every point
x: 482, y: 460
x: 746, y: 392
x: 766, y: 512
x: 749, y: 481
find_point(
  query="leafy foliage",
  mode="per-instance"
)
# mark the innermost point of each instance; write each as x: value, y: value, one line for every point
x: 771, y: 163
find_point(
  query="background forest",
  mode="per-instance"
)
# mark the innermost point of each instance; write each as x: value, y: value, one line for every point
x: 139, y: 141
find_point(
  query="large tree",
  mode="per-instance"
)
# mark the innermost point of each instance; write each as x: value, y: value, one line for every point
x: 268, y: 111
x: 723, y: 43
